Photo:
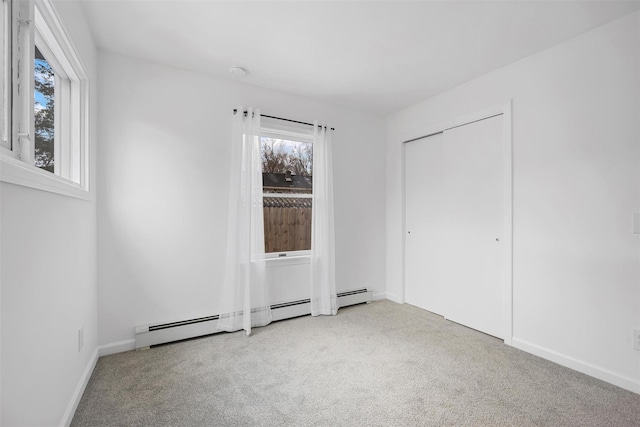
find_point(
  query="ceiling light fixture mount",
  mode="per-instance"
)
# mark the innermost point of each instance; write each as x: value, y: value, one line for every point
x: 238, y: 71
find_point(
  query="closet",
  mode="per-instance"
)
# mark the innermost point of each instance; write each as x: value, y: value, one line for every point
x: 455, y: 222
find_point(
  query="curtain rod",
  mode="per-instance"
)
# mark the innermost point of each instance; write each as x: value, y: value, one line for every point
x: 235, y: 111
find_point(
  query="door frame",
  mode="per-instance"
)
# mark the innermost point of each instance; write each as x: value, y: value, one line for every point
x: 503, y: 109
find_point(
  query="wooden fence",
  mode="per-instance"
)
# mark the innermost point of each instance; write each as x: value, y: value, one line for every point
x: 287, y: 225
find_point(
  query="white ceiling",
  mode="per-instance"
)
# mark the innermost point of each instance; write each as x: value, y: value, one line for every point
x: 376, y: 57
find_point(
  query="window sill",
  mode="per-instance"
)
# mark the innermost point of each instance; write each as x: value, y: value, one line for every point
x: 288, y: 260
x: 14, y: 171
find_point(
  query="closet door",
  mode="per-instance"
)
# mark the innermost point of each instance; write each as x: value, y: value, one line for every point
x: 472, y: 260
x: 425, y: 221
x: 454, y: 202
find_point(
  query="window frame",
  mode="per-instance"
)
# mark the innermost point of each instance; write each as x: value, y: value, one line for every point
x: 36, y: 22
x: 5, y: 74
x: 297, y: 135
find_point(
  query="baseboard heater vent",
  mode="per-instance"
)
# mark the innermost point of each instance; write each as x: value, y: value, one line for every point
x: 148, y: 335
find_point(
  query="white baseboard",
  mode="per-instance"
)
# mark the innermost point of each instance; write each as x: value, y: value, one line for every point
x: 104, y: 350
x: 379, y: 296
x: 394, y: 298
x: 578, y: 365
x: 79, y: 391
x: 117, y: 347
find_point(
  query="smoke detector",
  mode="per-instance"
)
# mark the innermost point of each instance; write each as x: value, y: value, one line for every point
x: 238, y: 71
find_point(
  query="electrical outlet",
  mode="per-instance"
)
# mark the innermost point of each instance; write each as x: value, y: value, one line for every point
x: 80, y: 338
x: 636, y: 339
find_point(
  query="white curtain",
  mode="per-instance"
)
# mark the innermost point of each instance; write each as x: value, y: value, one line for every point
x: 245, y: 302
x: 323, y: 271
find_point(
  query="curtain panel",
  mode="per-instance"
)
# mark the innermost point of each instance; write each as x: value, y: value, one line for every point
x: 322, y: 265
x: 245, y: 302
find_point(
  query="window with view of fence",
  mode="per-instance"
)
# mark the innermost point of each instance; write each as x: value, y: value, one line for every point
x: 287, y: 182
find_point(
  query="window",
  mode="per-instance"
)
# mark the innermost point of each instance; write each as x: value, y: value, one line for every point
x: 45, y: 102
x: 287, y: 165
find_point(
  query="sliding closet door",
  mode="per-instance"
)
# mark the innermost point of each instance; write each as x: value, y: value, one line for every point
x: 472, y: 260
x: 425, y: 222
x: 454, y: 222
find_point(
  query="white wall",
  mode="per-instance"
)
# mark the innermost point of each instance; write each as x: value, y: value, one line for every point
x: 162, y: 206
x: 48, y: 286
x: 576, y: 163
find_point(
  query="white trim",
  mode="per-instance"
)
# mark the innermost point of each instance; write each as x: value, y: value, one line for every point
x: 82, y: 145
x: 79, y: 391
x: 287, y: 195
x: 379, y: 296
x: 273, y: 260
x: 17, y: 172
x: 402, y: 299
x: 116, y: 347
x: 286, y: 135
x: 6, y: 74
x: 507, y: 150
x: 54, y: 24
x: 503, y: 109
x: 393, y: 297
x: 49, y: 46
x: 22, y: 117
x: 578, y: 365
x: 281, y: 129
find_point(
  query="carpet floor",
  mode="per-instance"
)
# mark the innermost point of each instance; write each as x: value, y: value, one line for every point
x: 379, y: 364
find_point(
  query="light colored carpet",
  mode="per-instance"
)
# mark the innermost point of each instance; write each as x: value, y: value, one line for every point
x: 380, y: 364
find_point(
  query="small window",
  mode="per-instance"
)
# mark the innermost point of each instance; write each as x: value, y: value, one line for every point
x: 287, y: 166
x: 45, y: 102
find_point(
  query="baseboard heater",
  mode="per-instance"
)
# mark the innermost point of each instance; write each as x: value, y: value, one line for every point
x: 149, y: 335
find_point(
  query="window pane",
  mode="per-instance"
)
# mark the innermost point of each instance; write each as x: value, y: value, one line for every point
x: 287, y: 168
x: 286, y: 165
x: 287, y: 224
x: 44, y: 99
